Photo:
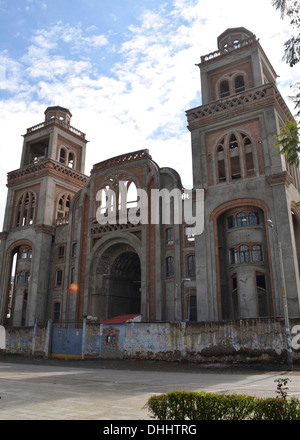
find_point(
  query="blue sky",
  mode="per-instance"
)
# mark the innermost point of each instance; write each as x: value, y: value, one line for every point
x: 124, y: 68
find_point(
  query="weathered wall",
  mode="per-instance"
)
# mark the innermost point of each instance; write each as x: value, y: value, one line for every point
x: 26, y: 340
x: 253, y: 340
x: 244, y: 341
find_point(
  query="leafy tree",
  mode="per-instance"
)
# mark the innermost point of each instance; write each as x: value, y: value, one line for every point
x: 289, y: 137
x: 289, y: 142
x: 291, y: 8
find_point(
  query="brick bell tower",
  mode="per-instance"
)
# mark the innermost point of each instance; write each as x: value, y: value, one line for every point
x: 246, y: 182
x: 40, y: 193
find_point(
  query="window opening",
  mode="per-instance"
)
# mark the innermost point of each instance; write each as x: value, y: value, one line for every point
x: 191, y: 265
x: 239, y: 84
x: 235, y: 167
x: 56, y: 311
x: 253, y: 218
x: 169, y: 236
x: 224, y: 89
x: 24, y: 308
x: 192, y: 308
x: 61, y: 252
x: 235, y: 299
x: 221, y: 170
x: 233, y: 256
x: 231, y: 222
x: 58, y: 281
x: 257, y: 254
x: 241, y: 219
x: 244, y: 254
x: 71, y: 160
x: 190, y: 233
x: 169, y: 267
x: 62, y: 156
x: 233, y: 143
x: 262, y: 295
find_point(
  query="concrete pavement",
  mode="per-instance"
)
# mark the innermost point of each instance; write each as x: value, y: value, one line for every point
x: 39, y: 389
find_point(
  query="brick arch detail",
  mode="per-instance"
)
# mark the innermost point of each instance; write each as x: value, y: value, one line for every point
x: 235, y: 204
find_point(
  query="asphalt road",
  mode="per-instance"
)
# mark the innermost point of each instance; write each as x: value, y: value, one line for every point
x: 58, y: 389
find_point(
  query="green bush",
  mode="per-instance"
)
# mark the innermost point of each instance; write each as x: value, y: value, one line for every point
x: 212, y: 406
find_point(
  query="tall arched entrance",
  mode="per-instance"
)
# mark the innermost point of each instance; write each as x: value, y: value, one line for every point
x: 115, y: 282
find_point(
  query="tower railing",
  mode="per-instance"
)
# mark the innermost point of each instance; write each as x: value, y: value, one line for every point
x: 56, y: 121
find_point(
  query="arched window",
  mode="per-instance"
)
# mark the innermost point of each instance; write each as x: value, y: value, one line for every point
x: 262, y: 298
x: 221, y: 162
x: 234, y: 158
x: 131, y: 195
x: 257, y: 254
x: 169, y: 236
x: 241, y: 219
x: 26, y: 209
x: 224, y: 89
x: 26, y: 253
x: 106, y: 201
x: 235, y: 297
x: 236, y: 44
x: 169, y: 267
x: 233, y: 143
x: 63, y: 206
x: 253, y: 218
x: 239, y: 84
x: 191, y: 265
x: 249, y: 164
x: 71, y: 160
x: 235, y: 166
x: 233, y: 255
x: 235, y: 82
x: 244, y: 254
x: 62, y: 156
x: 231, y: 221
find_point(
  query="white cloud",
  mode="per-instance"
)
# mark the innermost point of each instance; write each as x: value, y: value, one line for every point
x: 140, y: 101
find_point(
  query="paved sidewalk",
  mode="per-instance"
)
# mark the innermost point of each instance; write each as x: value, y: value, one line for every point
x: 38, y: 389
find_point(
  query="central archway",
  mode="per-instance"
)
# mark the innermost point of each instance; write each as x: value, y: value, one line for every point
x: 115, y: 282
x: 125, y: 285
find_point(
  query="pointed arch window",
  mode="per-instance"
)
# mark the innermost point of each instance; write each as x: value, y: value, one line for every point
x: 26, y: 207
x: 191, y: 265
x: 63, y: 206
x: 239, y: 84
x: 249, y: 163
x: 224, y: 89
x: 71, y: 160
x: 132, y: 195
x: 62, y: 156
x: 169, y: 267
x: 234, y: 158
x: 221, y: 162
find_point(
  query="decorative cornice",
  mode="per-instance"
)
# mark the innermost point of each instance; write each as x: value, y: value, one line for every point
x: 41, y: 168
x: 121, y: 160
x: 249, y: 100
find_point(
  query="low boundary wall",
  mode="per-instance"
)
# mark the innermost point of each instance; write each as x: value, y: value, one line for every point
x: 245, y: 341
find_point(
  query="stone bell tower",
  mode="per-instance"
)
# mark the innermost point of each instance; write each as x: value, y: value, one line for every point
x: 246, y: 182
x: 40, y: 193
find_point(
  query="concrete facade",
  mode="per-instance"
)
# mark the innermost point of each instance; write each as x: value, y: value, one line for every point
x: 67, y: 266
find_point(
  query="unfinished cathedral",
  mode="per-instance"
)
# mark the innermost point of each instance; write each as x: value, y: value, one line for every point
x: 58, y: 262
